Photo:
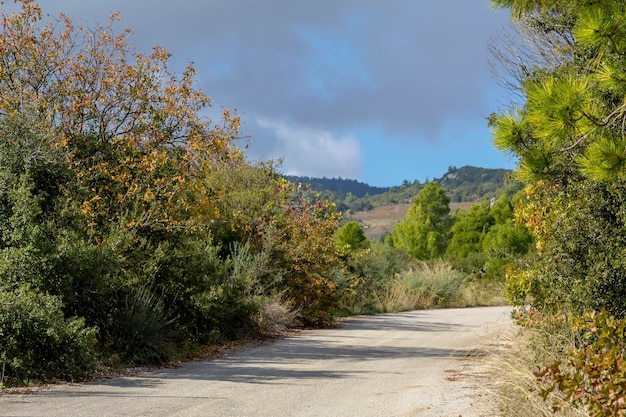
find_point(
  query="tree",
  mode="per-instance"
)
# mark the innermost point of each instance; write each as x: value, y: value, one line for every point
x: 569, y: 138
x: 506, y: 237
x: 352, y: 237
x: 572, y: 121
x: 424, y: 231
x: 131, y: 131
x: 469, y: 230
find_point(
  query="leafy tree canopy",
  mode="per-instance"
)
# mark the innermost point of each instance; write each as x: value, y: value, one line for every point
x: 573, y: 117
x: 423, y: 232
x: 351, y: 236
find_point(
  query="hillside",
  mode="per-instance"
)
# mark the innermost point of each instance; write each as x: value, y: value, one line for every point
x: 378, y: 209
x: 466, y: 184
x: 379, y: 221
x: 476, y: 184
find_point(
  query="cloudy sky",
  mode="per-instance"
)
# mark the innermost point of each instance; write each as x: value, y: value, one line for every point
x: 375, y: 90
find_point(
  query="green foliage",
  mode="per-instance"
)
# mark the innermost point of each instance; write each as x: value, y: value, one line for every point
x: 209, y: 301
x: 423, y: 232
x: 309, y: 259
x: 572, y: 111
x: 507, y: 239
x: 580, y: 263
x: 594, y: 374
x: 482, y: 240
x: 351, y: 237
x: 37, y: 343
x: 506, y: 242
x: 569, y: 137
x: 469, y: 230
x: 366, y: 274
x: 144, y: 330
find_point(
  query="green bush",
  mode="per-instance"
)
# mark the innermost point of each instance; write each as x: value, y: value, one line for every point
x: 366, y: 273
x: 37, y: 343
x: 580, y: 229
x: 211, y: 298
x: 350, y: 237
x: 145, y: 330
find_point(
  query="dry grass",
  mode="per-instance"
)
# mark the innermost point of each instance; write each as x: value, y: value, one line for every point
x: 481, y: 294
x: 380, y: 220
x: 275, y: 317
x: 436, y: 284
x: 425, y: 285
x: 524, y: 352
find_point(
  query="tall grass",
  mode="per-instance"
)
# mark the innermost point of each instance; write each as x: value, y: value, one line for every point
x: 479, y: 294
x: 145, y: 329
x: 436, y: 284
x: 529, y: 349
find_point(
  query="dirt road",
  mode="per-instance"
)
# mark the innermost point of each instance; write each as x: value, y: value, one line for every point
x: 408, y: 364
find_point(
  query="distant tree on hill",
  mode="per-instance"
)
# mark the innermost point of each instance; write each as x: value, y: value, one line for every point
x: 351, y: 237
x: 423, y: 232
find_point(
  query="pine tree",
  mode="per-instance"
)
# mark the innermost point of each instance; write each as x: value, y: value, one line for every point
x: 423, y: 232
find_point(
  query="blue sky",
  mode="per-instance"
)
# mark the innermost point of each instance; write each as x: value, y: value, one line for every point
x: 374, y: 90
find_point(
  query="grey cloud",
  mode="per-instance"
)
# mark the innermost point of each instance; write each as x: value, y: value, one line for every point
x: 422, y: 60
x: 407, y: 66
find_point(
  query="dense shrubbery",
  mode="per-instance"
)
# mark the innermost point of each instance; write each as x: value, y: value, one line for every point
x: 37, y: 342
x: 129, y: 225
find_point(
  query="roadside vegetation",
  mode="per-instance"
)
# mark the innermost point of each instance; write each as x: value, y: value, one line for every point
x: 566, y: 64
x: 133, y: 230
x: 433, y: 258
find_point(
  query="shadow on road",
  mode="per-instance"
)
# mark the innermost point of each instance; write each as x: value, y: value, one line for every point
x: 319, y: 354
x: 405, y: 322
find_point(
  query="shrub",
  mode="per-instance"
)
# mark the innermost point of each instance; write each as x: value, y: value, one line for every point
x: 580, y: 262
x: 275, y: 316
x: 366, y: 274
x: 425, y: 285
x: 37, y: 343
x: 594, y: 372
x: 351, y: 237
x: 145, y: 329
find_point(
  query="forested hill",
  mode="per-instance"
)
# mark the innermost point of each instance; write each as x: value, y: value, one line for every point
x: 475, y: 184
x: 466, y: 184
x: 338, y: 186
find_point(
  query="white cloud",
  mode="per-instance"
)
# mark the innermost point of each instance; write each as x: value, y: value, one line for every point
x: 314, y: 152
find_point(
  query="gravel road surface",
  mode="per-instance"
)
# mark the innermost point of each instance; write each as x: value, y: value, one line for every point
x: 421, y: 363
